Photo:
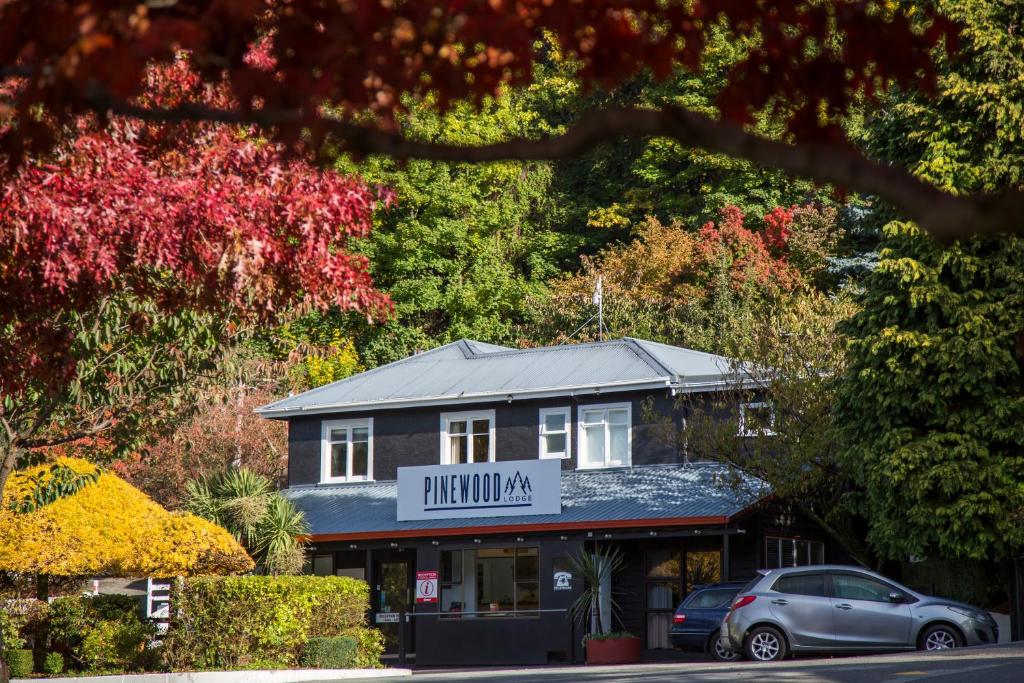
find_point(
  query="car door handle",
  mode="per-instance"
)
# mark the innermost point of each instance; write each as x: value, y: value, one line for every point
x: 780, y: 602
x: 844, y: 606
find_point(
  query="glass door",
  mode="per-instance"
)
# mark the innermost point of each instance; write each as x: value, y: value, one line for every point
x: 393, y: 589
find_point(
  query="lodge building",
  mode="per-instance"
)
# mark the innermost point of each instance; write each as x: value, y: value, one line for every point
x: 460, y: 483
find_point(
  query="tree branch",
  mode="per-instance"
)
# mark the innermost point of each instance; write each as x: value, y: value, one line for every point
x: 944, y: 216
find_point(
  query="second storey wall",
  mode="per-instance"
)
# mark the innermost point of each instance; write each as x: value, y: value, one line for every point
x: 408, y: 437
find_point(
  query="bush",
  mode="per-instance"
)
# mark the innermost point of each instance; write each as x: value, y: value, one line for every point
x: 330, y: 653
x: 101, y: 633
x: 10, y: 629
x: 247, y: 621
x: 19, y: 663
x: 54, y: 663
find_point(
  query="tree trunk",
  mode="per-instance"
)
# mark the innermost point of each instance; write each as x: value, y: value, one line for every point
x: 41, y: 634
x: 8, y: 458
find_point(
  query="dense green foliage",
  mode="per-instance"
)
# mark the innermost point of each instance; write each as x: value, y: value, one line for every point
x: 330, y: 653
x: 19, y: 662
x: 54, y: 663
x: 932, y: 407
x: 932, y: 401
x: 265, y: 622
x: 102, y: 634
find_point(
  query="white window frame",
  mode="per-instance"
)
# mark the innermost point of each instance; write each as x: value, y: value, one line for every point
x: 566, y: 411
x: 325, y: 450
x: 743, y: 431
x: 468, y: 416
x: 581, y: 459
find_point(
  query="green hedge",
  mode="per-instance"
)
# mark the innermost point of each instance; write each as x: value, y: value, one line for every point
x: 265, y: 621
x: 54, y: 663
x: 330, y: 653
x: 19, y: 663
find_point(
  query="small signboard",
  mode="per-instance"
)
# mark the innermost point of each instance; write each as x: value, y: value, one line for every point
x: 387, y: 617
x: 563, y: 581
x: 426, y: 586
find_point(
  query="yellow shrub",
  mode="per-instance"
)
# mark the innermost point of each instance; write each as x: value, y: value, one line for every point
x: 109, y: 527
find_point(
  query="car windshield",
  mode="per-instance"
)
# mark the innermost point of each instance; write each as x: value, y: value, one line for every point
x: 710, y: 598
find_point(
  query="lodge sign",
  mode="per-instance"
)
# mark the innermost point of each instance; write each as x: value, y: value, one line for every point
x: 487, y: 489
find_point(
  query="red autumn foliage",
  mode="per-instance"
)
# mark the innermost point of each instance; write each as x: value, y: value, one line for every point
x: 778, y: 227
x: 810, y: 58
x: 200, y: 216
x: 747, y: 255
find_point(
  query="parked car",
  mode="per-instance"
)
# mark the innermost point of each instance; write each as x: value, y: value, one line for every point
x: 696, y: 622
x: 846, y: 609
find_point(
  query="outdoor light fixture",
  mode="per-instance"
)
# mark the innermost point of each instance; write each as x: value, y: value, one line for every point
x: 353, y: 546
x: 393, y: 545
x: 654, y: 533
x: 564, y: 538
x: 434, y: 543
x: 607, y: 535
x: 476, y: 540
x: 519, y: 539
x: 509, y: 398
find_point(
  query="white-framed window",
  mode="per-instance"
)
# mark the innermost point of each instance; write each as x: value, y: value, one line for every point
x: 781, y: 551
x: 604, y: 435
x: 757, y: 418
x: 346, y: 450
x: 467, y: 437
x: 555, y: 432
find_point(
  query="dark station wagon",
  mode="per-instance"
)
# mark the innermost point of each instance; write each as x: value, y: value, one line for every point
x: 696, y: 622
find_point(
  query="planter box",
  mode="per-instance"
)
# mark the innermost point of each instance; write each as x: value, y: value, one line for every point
x: 613, y: 650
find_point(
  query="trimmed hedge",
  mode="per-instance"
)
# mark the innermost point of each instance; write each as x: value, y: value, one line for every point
x: 330, y: 653
x: 19, y: 663
x: 246, y: 622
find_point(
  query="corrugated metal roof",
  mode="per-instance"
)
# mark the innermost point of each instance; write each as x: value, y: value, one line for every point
x: 652, y: 492
x: 469, y: 370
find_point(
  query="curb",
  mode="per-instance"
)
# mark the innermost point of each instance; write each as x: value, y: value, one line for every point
x: 243, y: 676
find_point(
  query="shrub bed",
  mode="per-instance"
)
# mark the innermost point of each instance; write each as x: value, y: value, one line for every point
x: 330, y: 653
x: 249, y: 622
x: 19, y: 663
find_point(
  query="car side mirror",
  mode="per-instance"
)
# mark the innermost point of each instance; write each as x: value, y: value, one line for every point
x: 896, y: 596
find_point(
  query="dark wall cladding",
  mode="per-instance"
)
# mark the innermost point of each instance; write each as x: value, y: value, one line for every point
x: 411, y: 436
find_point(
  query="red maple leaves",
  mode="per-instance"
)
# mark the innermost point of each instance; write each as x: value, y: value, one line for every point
x: 204, y: 216
x: 809, y: 59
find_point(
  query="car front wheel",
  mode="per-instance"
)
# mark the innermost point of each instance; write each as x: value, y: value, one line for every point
x: 765, y: 644
x: 720, y: 650
x: 940, y: 637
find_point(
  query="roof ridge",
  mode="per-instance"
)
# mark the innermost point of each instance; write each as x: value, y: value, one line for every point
x: 682, y: 348
x: 364, y: 373
x: 648, y: 357
x: 555, y: 347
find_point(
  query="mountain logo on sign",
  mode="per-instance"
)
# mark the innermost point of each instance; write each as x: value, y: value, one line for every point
x: 521, y: 481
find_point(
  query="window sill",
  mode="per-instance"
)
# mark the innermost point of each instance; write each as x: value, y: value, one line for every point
x: 335, y: 482
x: 604, y: 467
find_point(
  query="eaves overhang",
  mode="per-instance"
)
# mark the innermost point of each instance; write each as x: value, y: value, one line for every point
x: 465, y: 398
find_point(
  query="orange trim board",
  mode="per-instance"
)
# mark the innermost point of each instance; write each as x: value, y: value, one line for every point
x: 521, y: 528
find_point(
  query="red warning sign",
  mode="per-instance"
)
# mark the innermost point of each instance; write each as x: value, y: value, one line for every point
x: 426, y: 586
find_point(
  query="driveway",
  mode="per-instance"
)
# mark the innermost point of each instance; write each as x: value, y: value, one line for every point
x: 997, y: 664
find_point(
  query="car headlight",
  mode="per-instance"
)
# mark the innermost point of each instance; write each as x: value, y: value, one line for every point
x: 971, y: 613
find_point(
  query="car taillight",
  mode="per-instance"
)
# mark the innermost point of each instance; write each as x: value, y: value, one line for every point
x: 744, y: 601
x: 678, y: 618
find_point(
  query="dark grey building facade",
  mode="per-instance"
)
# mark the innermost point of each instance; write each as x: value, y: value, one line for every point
x: 504, y: 584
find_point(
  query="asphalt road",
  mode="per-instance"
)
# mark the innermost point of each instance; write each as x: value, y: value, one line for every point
x: 1000, y: 664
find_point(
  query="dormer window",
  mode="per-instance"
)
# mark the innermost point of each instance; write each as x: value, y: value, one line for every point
x: 467, y: 437
x: 555, y: 430
x: 346, y: 451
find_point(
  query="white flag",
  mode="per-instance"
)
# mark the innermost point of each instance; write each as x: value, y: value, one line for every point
x: 598, y: 292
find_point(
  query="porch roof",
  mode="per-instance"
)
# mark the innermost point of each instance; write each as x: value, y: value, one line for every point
x: 652, y: 495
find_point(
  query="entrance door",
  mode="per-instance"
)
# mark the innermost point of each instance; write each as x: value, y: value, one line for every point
x: 393, y: 590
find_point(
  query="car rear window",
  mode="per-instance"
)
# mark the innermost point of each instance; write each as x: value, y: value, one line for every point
x: 802, y: 584
x: 711, y: 598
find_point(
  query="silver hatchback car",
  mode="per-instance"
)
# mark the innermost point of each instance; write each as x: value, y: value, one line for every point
x: 834, y: 608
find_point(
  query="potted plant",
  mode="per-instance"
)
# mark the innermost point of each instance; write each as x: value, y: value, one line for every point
x: 603, y: 645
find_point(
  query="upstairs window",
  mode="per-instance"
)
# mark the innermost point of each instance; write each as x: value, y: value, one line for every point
x: 467, y: 437
x: 347, y: 451
x: 604, y: 435
x: 554, y: 432
x: 757, y: 418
